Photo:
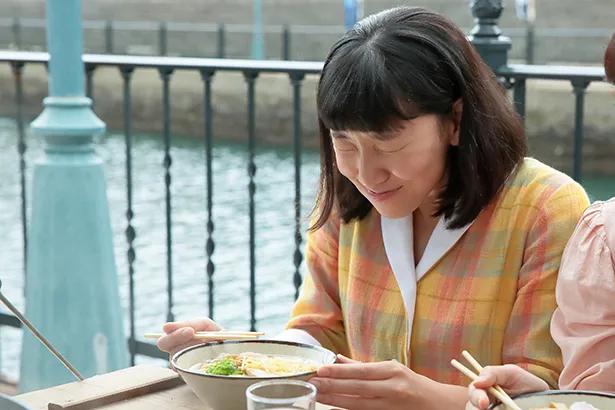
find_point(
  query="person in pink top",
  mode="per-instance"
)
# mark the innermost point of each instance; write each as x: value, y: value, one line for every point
x: 584, y: 323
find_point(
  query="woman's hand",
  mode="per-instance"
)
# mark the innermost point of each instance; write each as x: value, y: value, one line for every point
x: 367, y: 386
x: 179, y: 335
x: 513, y: 379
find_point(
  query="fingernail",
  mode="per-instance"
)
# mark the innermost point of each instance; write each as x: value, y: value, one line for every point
x: 323, y: 372
x: 187, y: 333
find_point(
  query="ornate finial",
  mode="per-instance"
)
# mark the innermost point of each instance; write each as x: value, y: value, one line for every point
x: 486, y: 15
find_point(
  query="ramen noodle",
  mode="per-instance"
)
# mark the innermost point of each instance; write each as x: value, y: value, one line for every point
x: 561, y: 406
x: 255, y: 364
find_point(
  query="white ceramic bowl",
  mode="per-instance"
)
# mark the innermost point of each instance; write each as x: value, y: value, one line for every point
x: 229, y: 392
x: 601, y: 401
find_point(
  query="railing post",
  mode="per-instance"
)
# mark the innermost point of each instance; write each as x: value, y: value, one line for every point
x: 162, y: 38
x: 286, y: 42
x: 72, y: 293
x: 17, y: 32
x: 109, y: 37
x: 221, y: 52
x: 486, y: 35
x: 579, y: 88
x: 17, y: 69
x: 530, y: 41
x: 296, y: 80
x: 210, y: 246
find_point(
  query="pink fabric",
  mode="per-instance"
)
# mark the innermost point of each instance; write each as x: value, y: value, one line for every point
x: 584, y: 323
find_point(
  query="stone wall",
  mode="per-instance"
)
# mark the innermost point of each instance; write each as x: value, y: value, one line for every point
x: 550, y: 14
x: 550, y: 111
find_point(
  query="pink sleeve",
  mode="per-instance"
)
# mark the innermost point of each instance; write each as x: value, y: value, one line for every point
x: 584, y: 323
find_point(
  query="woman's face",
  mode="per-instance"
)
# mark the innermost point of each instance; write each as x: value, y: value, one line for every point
x: 400, y: 171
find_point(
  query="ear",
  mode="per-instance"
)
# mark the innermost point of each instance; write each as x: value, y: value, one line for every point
x: 456, y: 122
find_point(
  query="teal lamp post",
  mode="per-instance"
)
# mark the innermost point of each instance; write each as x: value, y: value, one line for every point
x: 72, y: 293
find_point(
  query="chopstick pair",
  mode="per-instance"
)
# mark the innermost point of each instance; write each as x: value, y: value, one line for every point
x: 222, y: 335
x: 496, y: 390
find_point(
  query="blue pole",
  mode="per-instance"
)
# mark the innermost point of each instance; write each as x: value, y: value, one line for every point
x: 258, y: 52
x: 72, y: 293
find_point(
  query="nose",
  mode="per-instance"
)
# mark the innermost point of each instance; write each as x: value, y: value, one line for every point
x: 371, y: 171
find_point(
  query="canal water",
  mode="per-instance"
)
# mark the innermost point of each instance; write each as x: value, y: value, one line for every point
x: 274, y: 230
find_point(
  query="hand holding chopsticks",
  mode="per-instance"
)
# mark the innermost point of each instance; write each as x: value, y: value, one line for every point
x: 221, y: 335
x: 496, y: 390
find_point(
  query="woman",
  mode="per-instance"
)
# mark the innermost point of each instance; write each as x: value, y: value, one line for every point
x: 432, y: 232
x: 584, y: 323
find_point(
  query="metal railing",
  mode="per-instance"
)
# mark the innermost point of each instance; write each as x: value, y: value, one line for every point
x: 579, y: 77
x: 127, y: 65
x: 218, y: 34
x: 514, y: 76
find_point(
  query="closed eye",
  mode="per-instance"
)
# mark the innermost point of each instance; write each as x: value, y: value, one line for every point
x: 395, y: 150
x: 349, y: 149
x: 343, y: 144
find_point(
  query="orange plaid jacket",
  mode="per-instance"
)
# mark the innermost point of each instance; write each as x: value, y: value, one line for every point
x: 492, y: 293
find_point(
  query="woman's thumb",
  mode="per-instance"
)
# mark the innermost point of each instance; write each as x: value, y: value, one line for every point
x: 486, y: 378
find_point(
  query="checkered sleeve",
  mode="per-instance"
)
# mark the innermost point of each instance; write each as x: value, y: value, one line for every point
x: 317, y: 310
x: 528, y: 342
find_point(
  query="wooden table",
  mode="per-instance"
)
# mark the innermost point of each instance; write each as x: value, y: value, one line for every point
x: 69, y: 395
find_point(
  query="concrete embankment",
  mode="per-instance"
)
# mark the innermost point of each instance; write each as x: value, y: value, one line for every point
x: 550, y: 111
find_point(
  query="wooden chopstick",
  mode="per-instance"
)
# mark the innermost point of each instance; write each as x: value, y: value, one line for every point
x: 479, y: 368
x: 223, y: 335
x: 504, y: 398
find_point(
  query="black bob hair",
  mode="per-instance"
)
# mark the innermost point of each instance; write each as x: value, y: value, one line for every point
x: 402, y: 63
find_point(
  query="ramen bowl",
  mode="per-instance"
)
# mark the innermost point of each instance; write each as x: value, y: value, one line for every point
x: 542, y: 400
x: 229, y: 392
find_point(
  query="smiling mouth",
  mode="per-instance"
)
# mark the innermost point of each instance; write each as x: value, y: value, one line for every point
x: 382, y: 193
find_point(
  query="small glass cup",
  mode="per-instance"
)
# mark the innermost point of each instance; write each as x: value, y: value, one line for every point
x: 281, y: 395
